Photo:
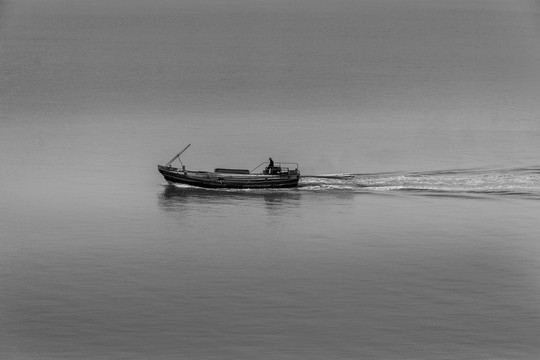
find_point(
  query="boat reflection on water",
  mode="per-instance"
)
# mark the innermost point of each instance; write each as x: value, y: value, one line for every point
x: 176, y: 198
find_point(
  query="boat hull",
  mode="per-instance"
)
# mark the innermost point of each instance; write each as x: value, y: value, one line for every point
x: 219, y: 180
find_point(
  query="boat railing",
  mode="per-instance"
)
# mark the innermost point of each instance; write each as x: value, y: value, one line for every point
x: 284, y: 167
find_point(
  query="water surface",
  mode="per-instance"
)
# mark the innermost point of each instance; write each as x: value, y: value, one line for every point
x: 428, y: 251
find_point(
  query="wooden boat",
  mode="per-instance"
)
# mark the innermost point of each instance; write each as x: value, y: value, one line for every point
x: 281, y: 175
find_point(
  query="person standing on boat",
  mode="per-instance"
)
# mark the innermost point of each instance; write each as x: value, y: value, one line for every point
x: 270, y: 167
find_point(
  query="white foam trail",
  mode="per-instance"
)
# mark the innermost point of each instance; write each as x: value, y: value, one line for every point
x: 524, y: 182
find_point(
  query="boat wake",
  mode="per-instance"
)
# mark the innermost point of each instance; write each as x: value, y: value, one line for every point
x: 518, y: 182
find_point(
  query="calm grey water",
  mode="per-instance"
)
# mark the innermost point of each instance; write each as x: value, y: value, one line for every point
x: 429, y: 252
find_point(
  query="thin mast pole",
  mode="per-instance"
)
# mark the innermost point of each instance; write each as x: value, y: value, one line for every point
x: 178, y: 156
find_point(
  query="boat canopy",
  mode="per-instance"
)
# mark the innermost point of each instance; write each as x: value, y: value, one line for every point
x: 231, y: 171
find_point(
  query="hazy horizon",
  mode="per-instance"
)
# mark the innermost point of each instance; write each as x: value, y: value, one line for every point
x: 429, y: 252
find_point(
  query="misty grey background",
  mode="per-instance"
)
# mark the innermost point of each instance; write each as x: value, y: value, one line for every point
x: 100, y: 258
